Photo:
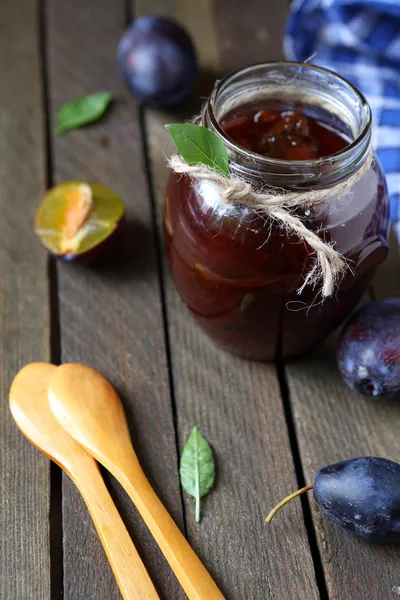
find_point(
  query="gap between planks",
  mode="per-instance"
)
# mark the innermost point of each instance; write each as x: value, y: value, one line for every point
x: 159, y: 258
x: 55, y: 517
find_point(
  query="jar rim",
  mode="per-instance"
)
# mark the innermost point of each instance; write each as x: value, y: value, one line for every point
x: 345, y: 153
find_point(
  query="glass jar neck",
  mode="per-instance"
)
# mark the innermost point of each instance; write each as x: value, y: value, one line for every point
x: 322, y: 93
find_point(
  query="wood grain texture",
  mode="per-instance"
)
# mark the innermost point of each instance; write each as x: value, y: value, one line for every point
x: 24, y: 308
x: 110, y: 314
x: 236, y: 404
x: 333, y: 423
x: 250, y: 32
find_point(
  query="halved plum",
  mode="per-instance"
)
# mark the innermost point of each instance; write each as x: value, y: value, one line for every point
x: 77, y: 221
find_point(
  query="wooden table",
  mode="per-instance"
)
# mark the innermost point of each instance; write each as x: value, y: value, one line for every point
x: 271, y: 426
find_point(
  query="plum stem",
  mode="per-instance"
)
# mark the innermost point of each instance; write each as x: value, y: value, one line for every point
x: 286, y: 500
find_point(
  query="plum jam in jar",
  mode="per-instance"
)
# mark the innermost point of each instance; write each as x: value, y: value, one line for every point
x: 290, y: 127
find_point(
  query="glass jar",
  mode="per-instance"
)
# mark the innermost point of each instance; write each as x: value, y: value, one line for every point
x: 238, y: 272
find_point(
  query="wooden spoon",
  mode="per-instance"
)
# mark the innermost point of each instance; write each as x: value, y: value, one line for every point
x: 31, y: 411
x: 88, y: 408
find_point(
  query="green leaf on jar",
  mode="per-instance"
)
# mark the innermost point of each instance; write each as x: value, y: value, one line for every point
x: 197, y: 471
x: 82, y: 111
x: 199, y: 146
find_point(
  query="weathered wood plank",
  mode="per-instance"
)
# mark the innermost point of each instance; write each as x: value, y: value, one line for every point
x: 24, y: 307
x: 334, y: 423
x: 250, y: 32
x: 236, y: 404
x: 111, y: 314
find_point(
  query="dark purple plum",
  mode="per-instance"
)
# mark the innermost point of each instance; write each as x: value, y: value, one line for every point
x: 157, y: 60
x: 369, y: 349
x: 362, y: 495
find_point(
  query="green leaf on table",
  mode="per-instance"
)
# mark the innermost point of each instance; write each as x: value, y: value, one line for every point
x: 82, y: 111
x: 197, y: 471
x: 199, y: 146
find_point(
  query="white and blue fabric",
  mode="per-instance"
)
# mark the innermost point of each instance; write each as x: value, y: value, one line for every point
x: 360, y: 41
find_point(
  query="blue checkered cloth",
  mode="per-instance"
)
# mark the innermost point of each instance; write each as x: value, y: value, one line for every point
x: 361, y: 41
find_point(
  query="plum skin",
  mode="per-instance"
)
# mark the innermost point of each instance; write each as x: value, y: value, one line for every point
x: 157, y: 60
x: 362, y: 496
x: 368, y: 353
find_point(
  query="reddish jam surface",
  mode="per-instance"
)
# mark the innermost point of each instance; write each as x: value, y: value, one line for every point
x: 239, y: 275
x: 282, y: 133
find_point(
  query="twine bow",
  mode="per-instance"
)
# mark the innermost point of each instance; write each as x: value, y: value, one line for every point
x: 329, y: 265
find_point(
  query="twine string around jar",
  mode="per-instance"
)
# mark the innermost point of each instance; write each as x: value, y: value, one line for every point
x: 279, y: 205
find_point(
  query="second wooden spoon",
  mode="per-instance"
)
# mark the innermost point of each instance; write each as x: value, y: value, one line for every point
x: 31, y: 411
x: 88, y: 408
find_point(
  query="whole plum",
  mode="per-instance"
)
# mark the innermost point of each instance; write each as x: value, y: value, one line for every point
x: 157, y: 60
x: 369, y: 349
x: 362, y: 495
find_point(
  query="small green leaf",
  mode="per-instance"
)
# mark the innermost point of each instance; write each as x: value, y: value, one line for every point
x: 197, y: 469
x: 81, y: 111
x: 199, y: 146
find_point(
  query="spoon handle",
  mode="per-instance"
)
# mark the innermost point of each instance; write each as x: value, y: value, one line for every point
x: 188, y: 568
x: 133, y: 580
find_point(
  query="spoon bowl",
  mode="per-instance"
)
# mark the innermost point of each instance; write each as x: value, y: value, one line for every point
x: 31, y: 411
x: 87, y: 406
